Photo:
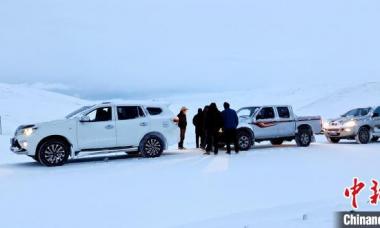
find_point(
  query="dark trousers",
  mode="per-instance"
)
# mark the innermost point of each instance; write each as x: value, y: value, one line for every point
x: 212, y: 140
x: 182, y: 137
x: 199, y: 138
x: 231, y: 138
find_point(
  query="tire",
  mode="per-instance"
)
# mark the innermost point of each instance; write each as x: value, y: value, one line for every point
x: 375, y: 139
x: 53, y: 152
x: 244, y: 140
x: 363, y: 136
x: 333, y: 140
x: 276, y: 142
x: 152, y: 146
x: 304, y: 137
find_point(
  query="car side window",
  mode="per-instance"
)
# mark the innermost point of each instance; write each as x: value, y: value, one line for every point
x: 100, y: 114
x: 128, y: 112
x: 265, y: 113
x: 377, y: 112
x: 283, y: 112
x: 154, y: 111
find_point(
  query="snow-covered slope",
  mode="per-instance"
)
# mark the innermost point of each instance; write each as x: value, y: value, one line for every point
x: 23, y: 104
x: 337, y: 102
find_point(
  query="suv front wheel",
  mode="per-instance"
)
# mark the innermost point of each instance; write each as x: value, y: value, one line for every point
x: 152, y: 147
x: 53, y: 152
x: 363, y: 136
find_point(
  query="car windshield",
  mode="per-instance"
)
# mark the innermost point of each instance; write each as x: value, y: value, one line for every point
x: 357, y: 112
x: 247, y: 112
x: 78, y: 111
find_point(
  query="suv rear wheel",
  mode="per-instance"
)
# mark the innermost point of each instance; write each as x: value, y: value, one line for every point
x: 53, y: 152
x: 152, y: 147
x: 363, y: 136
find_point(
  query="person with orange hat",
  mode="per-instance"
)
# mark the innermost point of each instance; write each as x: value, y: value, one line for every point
x: 182, y: 124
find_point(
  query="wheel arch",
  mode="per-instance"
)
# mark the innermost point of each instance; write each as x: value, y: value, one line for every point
x: 304, y: 127
x: 366, y: 126
x: 153, y: 133
x: 248, y: 130
x: 54, y: 137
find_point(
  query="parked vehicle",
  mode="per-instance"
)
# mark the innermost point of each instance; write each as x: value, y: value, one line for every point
x: 360, y: 124
x: 102, y: 128
x: 275, y: 124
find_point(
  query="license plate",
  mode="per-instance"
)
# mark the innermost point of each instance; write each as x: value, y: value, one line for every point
x: 333, y: 133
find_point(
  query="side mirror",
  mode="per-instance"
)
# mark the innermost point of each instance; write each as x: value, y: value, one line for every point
x: 84, y: 119
x: 376, y: 114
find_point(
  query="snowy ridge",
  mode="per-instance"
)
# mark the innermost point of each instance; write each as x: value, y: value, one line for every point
x: 333, y: 104
x: 22, y: 104
x: 322, y: 99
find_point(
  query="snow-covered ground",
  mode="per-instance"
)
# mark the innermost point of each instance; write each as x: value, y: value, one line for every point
x: 282, y: 186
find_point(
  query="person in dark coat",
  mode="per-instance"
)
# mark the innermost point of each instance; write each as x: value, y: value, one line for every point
x: 199, y: 129
x: 230, y: 123
x: 213, y: 124
x: 182, y: 124
x: 205, y: 111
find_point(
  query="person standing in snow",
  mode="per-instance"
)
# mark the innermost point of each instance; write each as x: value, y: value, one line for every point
x: 230, y: 123
x: 182, y: 124
x: 205, y: 111
x: 199, y: 131
x: 213, y: 124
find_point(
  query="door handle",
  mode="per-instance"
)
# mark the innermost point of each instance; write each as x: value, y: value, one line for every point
x: 108, y: 127
x: 143, y: 124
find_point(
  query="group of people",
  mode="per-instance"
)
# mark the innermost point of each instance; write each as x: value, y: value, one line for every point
x: 212, y: 128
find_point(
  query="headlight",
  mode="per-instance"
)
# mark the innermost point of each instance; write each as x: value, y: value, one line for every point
x: 350, y: 123
x: 28, y: 131
x: 326, y: 124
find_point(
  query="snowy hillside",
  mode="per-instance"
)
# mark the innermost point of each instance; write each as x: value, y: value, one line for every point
x: 23, y: 104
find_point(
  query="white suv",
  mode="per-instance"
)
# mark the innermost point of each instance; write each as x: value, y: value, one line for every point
x: 103, y: 128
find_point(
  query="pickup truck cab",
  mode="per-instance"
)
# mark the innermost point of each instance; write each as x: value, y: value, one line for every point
x: 360, y: 124
x: 102, y: 128
x: 275, y: 123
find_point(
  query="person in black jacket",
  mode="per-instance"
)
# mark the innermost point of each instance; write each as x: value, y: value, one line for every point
x: 182, y: 124
x: 213, y: 123
x: 199, y: 129
x: 205, y: 111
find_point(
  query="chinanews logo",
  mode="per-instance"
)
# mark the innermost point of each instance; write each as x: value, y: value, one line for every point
x: 355, y: 219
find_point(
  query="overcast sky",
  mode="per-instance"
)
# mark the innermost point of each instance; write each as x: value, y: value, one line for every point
x: 119, y: 48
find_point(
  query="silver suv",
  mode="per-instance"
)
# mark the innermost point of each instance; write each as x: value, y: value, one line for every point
x: 360, y: 124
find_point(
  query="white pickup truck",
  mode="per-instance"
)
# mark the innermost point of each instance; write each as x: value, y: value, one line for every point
x: 275, y: 123
x: 102, y: 128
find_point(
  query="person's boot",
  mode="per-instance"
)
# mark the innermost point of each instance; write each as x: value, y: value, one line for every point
x: 228, y: 152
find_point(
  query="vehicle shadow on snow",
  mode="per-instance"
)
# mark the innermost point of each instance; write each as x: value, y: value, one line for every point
x: 269, y: 146
x: 93, y: 159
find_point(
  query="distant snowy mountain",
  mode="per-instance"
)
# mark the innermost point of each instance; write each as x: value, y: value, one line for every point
x: 337, y: 102
x: 22, y: 104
